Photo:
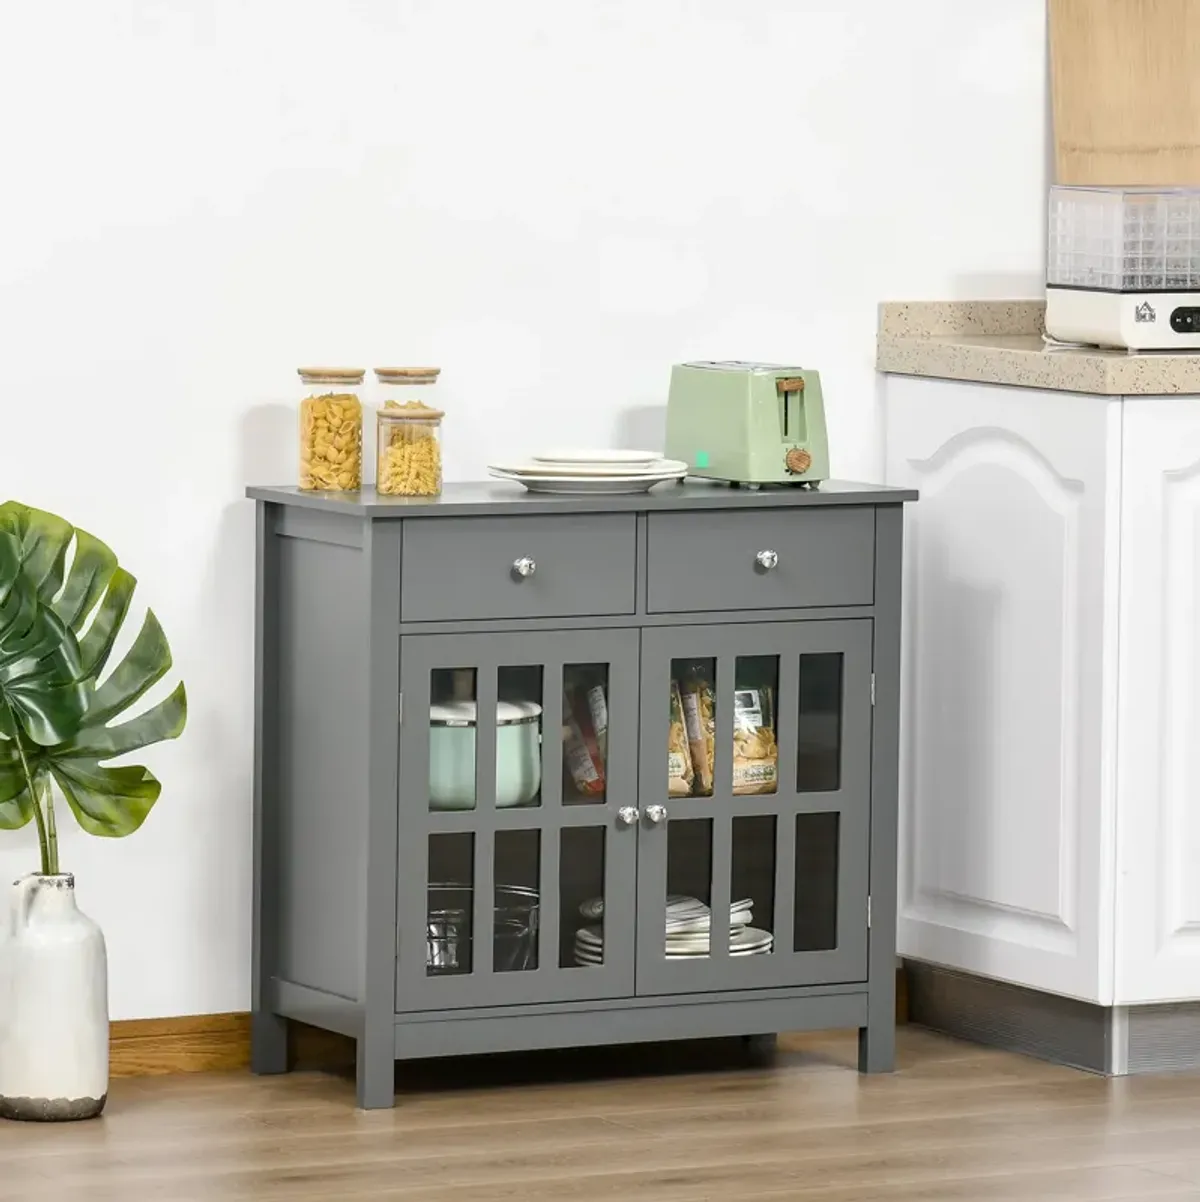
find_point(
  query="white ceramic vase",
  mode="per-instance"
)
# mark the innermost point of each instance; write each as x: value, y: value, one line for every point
x: 53, y: 1005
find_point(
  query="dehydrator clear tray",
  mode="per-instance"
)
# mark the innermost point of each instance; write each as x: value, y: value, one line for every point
x: 1124, y: 239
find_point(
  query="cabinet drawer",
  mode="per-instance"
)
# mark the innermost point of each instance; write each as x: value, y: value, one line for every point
x: 708, y: 561
x: 462, y: 568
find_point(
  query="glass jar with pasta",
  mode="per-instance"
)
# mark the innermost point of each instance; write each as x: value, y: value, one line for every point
x: 331, y: 429
x: 409, y: 431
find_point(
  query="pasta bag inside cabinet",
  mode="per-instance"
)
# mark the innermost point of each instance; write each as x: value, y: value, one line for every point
x: 680, y: 773
x: 755, y: 750
x: 699, y: 718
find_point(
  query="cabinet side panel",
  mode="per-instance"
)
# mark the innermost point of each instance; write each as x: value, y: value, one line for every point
x: 877, y: 1049
x: 322, y: 764
x: 269, y: 1050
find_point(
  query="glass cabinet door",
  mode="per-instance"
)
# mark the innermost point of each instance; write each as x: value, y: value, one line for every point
x: 755, y: 802
x: 518, y: 828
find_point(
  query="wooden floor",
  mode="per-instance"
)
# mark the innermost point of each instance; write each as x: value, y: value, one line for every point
x: 688, y: 1123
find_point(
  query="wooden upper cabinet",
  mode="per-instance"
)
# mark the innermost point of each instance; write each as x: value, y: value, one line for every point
x: 1125, y: 82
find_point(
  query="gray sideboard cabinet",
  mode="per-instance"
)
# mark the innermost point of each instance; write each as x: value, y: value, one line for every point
x: 431, y: 885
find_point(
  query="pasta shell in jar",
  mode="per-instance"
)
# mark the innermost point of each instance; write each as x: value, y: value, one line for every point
x: 331, y: 419
x: 409, y: 447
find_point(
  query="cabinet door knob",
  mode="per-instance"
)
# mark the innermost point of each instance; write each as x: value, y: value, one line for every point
x: 767, y: 559
x: 656, y: 814
x: 524, y: 567
x: 627, y: 815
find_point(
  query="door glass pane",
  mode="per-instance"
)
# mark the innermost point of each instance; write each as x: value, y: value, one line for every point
x: 692, y: 738
x: 581, y: 897
x: 450, y: 904
x: 752, y: 886
x: 689, y: 887
x: 815, y: 915
x: 820, y: 751
x: 585, y: 734
x: 519, y: 736
x: 452, y: 706
x: 755, y: 750
x: 515, y: 926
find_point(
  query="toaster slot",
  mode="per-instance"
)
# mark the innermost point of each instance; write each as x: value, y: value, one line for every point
x: 790, y: 391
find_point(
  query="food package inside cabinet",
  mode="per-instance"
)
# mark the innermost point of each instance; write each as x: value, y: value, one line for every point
x: 585, y: 736
x: 679, y: 755
x: 755, y: 751
x: 699, y: 717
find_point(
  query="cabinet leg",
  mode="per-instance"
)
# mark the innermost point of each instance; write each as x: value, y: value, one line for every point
x: 760, y: 1049
x: 375, y: 1075
x: 877, y: 1047
x: 268, y: 1043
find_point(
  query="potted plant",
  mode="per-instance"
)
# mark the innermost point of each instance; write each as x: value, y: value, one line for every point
x: 63, y: 715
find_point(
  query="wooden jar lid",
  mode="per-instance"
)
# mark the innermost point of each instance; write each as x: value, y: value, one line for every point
x: 331, y: 375
x: 408, y: 375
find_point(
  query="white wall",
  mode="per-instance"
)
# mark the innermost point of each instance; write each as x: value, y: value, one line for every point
x: 553, y: 200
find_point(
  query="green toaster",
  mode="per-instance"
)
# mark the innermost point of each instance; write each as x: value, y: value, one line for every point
x: 748, y: 423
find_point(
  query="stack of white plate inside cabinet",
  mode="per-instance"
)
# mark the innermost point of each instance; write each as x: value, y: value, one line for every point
x: 689, y: 923
x: 605, y: 472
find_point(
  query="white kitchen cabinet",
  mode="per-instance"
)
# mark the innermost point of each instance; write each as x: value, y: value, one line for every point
x: 1050, y: 770
x: 1158, y: 715
x: 1007, y: 788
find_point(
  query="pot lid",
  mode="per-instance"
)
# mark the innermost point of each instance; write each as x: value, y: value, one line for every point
x: 464, y: 712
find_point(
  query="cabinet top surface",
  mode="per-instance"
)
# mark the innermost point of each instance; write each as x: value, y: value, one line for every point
x: 1000, y: 342
x: 503, y: 499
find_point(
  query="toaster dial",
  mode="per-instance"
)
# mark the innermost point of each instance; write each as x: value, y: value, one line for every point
x: 797, y: 461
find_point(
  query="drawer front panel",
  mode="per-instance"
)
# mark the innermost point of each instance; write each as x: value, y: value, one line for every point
x: 464, y: 568
x: 709, y: 561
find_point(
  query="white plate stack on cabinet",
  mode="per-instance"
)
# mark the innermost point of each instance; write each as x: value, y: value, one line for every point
x: 1050, y: 774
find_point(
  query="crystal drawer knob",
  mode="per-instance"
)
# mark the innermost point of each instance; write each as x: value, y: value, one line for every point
x: 656, y: 814
x: 524, y: 567
x: 627, y: 815
x: 767, y: 559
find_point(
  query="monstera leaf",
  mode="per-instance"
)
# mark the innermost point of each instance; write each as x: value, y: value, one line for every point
x: 40, y: 667
x: 63, y: 601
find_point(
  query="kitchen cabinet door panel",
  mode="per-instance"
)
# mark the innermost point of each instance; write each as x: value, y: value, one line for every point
x: 516, y: 829
x: 757, y: 876
x: 1006, y: 782
x: 1158, y: 818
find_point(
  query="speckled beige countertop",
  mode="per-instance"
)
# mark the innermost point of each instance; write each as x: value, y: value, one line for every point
x: 1000, y: 342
